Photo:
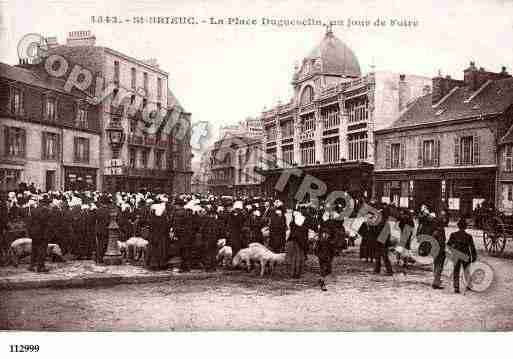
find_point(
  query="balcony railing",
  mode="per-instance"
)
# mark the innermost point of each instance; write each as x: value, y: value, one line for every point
x: 332, y: 120
x: 307, y: 135
x: 138, y: 140
x: 147, y: 172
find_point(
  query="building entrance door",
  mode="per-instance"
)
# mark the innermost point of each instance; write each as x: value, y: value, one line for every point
x: 428, y: 193
x: 466, y: 201
x: 50, y: 180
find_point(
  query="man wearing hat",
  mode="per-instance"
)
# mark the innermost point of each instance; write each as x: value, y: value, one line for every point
x: 463, y: 244
x: 39, y: 230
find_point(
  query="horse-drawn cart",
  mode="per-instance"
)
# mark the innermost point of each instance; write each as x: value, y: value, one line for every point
x: 497, y: 230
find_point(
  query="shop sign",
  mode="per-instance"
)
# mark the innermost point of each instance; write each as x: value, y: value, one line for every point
x: 454, y: 204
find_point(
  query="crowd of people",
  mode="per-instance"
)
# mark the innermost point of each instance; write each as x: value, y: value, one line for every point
x: 189, y: 227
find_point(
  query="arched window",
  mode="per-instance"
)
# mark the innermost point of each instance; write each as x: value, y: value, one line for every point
x: 307, y: 96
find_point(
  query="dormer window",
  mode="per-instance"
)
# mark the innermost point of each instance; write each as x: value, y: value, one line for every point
x: 307, y: 96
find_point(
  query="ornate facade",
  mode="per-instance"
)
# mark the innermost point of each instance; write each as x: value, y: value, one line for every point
x: 327, y: 129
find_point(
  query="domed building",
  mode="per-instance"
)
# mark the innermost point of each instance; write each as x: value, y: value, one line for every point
x: 326, y: 129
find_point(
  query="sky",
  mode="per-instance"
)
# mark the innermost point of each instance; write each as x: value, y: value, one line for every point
x: 225, y: 73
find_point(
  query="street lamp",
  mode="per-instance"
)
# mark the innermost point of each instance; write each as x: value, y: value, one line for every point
x: 116, y: 138
x: 113, y: 254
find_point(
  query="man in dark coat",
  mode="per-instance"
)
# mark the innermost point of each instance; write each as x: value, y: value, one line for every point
x: 182, y: 227
x: 463, y: 243
x: 255, y: 225
x: 439, y: 255
x: 237, y: 220
x: 39, y: 222
x: 325, y: 251
x: 211, y: 231
x: 277, y: 230
x: 382, y: 245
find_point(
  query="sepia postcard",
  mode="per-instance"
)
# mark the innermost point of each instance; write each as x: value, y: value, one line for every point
x: 304, y: 166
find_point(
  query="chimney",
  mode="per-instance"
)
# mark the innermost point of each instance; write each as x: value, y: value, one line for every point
x: 52, y: 42
x: 475, y: 78
x: 404, y: 92
x: 442, y: 86
x: 80, y: 38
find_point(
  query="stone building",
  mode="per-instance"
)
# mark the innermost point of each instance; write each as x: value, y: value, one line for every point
x: 443, y: 150
x: 247, y: 181
x: 222, y: 168
x: 48, y: 136
x: 148, y: 156
x: 327, y: 129
x: 250, y: 127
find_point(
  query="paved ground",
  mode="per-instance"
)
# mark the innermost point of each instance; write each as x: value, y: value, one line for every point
x: 356, y: 300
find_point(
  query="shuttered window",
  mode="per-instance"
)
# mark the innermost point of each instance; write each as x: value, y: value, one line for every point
x: 457, y: 151
x: 395, y: 155
x: 50, y: 146
x: 466, y: 150
x: 15, y: 141
x: 508, y: 158
x: 81, y: 149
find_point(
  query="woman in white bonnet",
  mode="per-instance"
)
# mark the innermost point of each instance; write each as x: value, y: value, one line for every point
x: 157, y: 254
x: 297, y: 246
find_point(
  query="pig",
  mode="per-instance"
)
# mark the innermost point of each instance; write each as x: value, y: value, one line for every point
x: 243, y: 256
x: 265, y: 257
x: 122, y: 248
x: 224, y: 256
x: 136, y: 248
x: 22, y: 247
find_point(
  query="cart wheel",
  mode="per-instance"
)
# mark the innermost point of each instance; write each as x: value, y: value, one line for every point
x: 494, y: 242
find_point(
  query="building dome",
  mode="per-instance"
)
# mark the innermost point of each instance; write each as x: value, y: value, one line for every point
x: 335, y: 57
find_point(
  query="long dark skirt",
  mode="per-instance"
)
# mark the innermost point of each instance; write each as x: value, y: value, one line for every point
x: 295, y: 259
x: 277, y: 241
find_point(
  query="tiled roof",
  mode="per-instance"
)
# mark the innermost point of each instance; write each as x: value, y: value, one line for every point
x: 494, y: 98
x: 29, y: 77
x: 508, y: 137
